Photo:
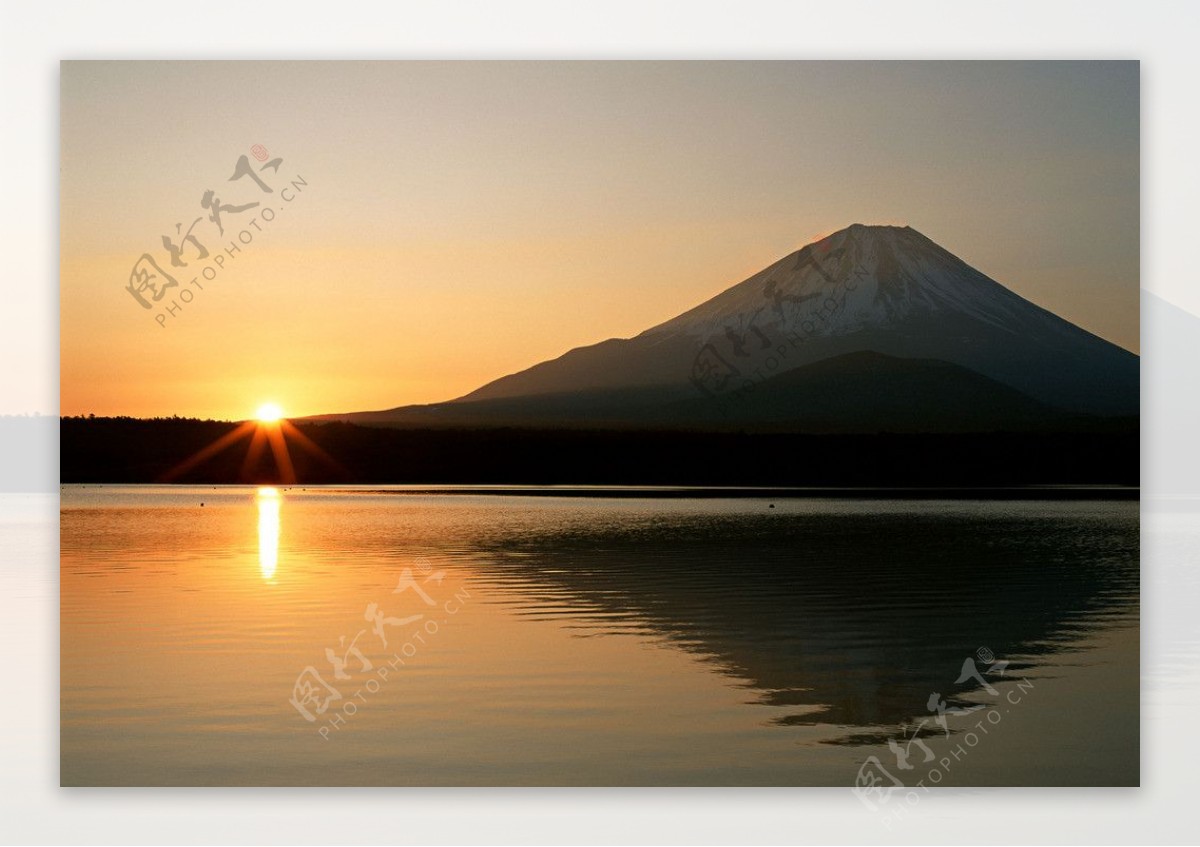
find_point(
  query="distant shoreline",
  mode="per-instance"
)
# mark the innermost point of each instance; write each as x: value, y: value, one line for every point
x: 93, y: 451
x: 1032, y: 492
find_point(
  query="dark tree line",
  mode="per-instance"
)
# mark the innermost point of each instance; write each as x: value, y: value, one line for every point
x: 129, y: 450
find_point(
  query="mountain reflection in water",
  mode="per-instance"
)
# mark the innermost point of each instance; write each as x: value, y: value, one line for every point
x: 599, y: 640
x: 852, y: 613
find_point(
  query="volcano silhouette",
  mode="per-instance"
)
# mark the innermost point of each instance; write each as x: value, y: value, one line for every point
x: 871, y: 329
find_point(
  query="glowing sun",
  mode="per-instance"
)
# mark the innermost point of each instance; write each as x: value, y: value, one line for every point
x: 269, y: 412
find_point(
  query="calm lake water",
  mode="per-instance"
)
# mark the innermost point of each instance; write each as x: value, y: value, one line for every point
x: 385, y: 637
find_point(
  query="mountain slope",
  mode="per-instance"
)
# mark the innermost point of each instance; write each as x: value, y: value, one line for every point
x: 883, y: 290
x: 854, y: 393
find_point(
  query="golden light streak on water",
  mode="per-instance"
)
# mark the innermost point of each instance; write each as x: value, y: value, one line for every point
x: 268, y: 531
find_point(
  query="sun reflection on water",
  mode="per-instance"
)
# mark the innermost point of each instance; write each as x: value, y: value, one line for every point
x: 268, y: 531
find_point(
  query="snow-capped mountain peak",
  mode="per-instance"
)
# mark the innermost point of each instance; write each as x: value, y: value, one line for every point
x: 876, y: 294
x: 857, y: 278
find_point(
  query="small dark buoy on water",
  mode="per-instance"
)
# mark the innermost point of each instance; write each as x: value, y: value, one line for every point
x: 202, y: 505
x: 772, y: 505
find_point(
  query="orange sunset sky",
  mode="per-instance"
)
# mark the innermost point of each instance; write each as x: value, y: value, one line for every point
x: 461, y: 221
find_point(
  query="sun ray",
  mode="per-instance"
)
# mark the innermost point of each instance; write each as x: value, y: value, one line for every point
x: 283, y: 461
x: 264, y: 430
x: 225, y: 441
x: 254, y: 451
x: 311, y: 447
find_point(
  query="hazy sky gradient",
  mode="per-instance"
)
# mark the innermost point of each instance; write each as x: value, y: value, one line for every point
x: 466, y: 220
